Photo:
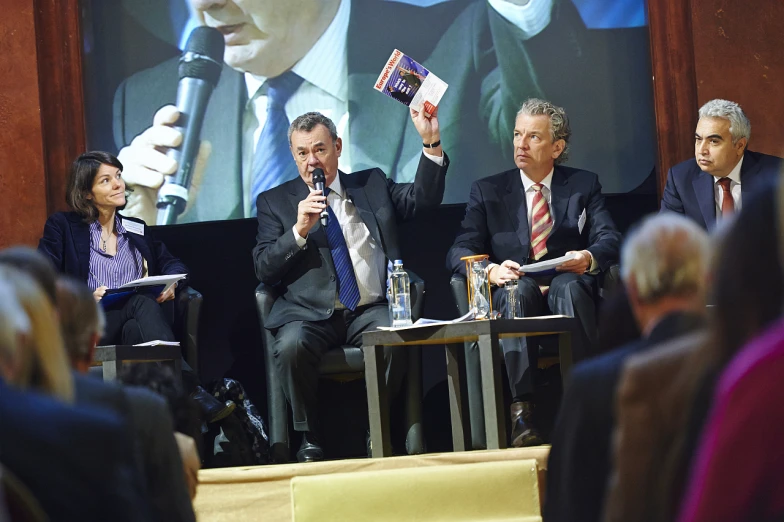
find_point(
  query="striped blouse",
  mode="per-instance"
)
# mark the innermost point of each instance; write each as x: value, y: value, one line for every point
x: 113, y: 271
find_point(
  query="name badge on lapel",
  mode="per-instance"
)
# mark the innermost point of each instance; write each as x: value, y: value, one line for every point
x: 581, y: 222
x: 133, y: 227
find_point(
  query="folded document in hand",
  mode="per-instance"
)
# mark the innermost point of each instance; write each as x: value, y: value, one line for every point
x: 544, y: 266
x: 153, y: 285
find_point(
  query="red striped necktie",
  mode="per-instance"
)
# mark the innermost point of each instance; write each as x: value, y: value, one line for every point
x: 541, y: 223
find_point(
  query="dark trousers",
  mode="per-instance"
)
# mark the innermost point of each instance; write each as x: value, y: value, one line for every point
x: 140, y: 320
x: 570, y: 294
x: 300, y: 345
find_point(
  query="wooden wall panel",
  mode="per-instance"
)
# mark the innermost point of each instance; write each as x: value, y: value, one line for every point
x: 41, y: 112
x: 22, y: 181
x: 739, y: 56
x: 674, y: 82
x: 59, y: 46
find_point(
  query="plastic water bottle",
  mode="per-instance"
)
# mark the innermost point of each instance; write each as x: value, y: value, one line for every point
x: 399, y: 296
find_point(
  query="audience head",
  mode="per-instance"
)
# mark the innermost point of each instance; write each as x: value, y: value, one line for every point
x: 748, y: 278
x: 721, y: 137
x: 81, y: 321
x: 314, y: 143
x: 95, y: 183
x: 664, y: 265
x: 541, y: 138
x: 40, y: 361
x: 34, y: 264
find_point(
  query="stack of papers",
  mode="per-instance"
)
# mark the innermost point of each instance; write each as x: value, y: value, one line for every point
x: 166, y: 280
x: 544, y: 266
x: 159, y: 343
x: 430, y: 322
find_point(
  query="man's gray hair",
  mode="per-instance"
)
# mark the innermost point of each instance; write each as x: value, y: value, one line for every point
x: 13, y: 321
x: 559, y: 122
x: 740, y: 127
x: 308, y: 121
x: 668, y: 255
x: 80, y: 317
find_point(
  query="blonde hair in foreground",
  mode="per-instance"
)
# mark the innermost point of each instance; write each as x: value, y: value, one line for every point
x: 42, y: 363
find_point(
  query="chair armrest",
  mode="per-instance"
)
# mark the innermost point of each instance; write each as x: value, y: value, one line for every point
x: 459, y: 293
x: 265, y: 298
x: 609, y: 280
x: 417, y: 289
x: 189, y: 302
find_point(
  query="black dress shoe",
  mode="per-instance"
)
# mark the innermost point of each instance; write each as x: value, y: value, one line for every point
x: 310, y: 449
x: 523, y: 432
x: 212, y: 408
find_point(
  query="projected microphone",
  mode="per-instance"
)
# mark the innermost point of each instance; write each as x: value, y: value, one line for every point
x: 318, y: 183
x: 200, y: 68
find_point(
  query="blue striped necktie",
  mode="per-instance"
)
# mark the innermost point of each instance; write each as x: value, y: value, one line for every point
x: 348, y: 291
x: 272, y: 161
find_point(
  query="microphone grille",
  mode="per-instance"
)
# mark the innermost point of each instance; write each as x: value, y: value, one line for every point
x: 203, y: 56
x: 318, y: 176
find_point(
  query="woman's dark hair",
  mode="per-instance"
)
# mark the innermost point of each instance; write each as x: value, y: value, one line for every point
x: 80, y: 182
x: 748, y: 282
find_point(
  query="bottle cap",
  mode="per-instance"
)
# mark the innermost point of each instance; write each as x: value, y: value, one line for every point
x: 398, y: 262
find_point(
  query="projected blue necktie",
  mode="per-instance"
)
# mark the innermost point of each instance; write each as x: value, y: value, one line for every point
x: 348, y: 291
x: 272, y: 161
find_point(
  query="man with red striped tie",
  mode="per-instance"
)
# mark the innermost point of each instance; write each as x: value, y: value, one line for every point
x: 538, y: 211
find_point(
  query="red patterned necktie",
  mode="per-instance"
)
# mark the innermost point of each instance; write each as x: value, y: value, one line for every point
x: 541, y: 224
x: 727, y: 203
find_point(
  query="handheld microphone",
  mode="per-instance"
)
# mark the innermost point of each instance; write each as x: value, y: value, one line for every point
x: 318, y: 183
x: 200, y: 68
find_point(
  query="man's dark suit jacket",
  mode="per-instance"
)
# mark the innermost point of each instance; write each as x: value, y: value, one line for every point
x: 490, y: 69
x: 579, y: 462
x: 66, y: 241
x: 496, y: 220
x: 76, y: 461
x: 690, y: 191
x: 306, y: 277
x: 157, y: 454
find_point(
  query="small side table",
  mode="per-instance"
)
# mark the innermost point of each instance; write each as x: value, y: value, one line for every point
x: 112, y: 357
x: 453, y: 335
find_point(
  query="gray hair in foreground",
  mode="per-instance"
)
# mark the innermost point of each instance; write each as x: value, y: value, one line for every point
x: 80, y: 317
x: 559, y: 122
x: 740, y: 127
x: 308, y: 121
x: 667, y: 255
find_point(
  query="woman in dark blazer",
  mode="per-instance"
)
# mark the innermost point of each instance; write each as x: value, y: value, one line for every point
x: 105, y: 249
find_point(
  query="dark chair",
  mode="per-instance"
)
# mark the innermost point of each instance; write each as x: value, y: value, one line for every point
x: 186, y: 325
x: 338, y: 363
x: 607, y: 282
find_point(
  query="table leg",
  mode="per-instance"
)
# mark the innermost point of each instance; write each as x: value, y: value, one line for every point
x: 110, y: 370
x: 565, y: 356
x: 495, y: 421
x: 458, y: 400
x: 378, y: 401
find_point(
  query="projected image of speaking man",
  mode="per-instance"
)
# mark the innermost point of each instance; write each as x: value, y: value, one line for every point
x: 285, y: 58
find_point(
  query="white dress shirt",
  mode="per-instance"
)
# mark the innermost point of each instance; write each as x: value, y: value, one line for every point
x: 528, y: 186
x: 367, y: 257
x: 324, y: 70
x: 718, y: 192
